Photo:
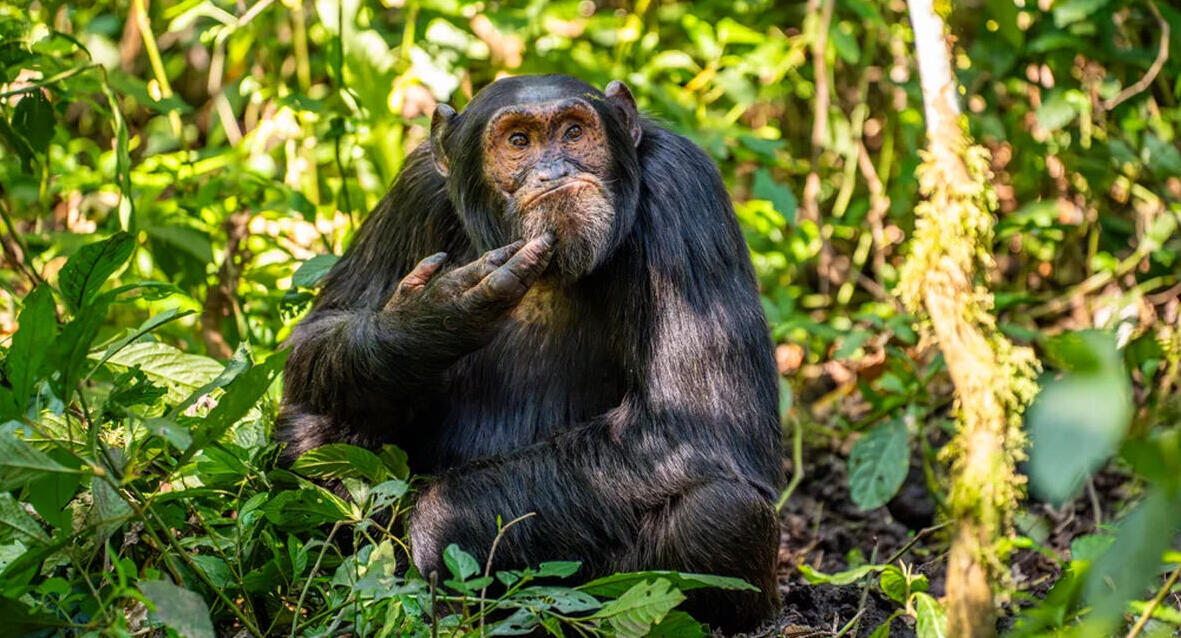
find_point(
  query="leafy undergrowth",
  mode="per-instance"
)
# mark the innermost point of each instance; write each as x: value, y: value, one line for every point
x: 138, y: 490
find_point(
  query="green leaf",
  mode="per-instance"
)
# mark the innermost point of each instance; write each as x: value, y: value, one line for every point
x: 146, y: 327
x: 90, y: 267
x: 38, y: 327
x: 1078, y: 420
x: 1067, y: 12
x: 179, y: 371
x: 778, y: 193
x: 16, y: 523
x: 395, y: 460
x: 461, y: 564
x: 558, y: 568
x: 241, y: 395
x: 615, y: 584
x: 180, y: 609
x: 677, y: 624
x: 932, y: 619
x: 306, y: 508
x: 878, y: 464
x: 240, y: 362
x: 110, y: 510
x: 893, y: 583
x: 189, y: 240
x: 34, y: 119
x: 340, y: 460
x: 883, y: 630
x: 69, y: 350
x: 1125, y: 570
x: 20, y: 462
x: 847, y: 577
x: 170, y: 431
x: 1056, y: 112
x: 634, y: 613
x: 313, y: 270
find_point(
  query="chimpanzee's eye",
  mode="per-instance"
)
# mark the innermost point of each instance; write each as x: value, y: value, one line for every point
x: 519, y: 140
x: 574, y: 132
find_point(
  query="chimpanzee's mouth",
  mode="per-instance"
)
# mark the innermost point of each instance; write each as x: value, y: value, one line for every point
x: 572, y: 183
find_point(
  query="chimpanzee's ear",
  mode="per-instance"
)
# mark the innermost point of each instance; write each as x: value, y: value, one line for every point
x: 439, y: 123
x: 621, y: 96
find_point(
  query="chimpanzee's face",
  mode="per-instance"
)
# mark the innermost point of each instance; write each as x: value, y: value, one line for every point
x: 551, y: 162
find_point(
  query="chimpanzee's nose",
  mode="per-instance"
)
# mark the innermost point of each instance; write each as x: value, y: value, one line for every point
x: 551, y: 170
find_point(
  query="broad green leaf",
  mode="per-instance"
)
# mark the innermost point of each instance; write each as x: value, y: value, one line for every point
x: 677, y: 624
x: 893, y: 583
x: 35, y: 120
x: 395, y: 460
x: 90, y: 267
x: 778, y: 193
x: 634, y: 613
x: 240, y: 362
x: 461, y: 564
x: 1125, y: 570
x: 563, y: 599
x: 170, y: 431
x: 38, y: 327
x: 68, y: 352
x: 189, y: 240
x: 20, y: 462
x: 110, y: 510
x: 306, y: 508
x: 146, y: 327
x: 313, y: 270
x: 878, y: 464
x: 558, y: 568
x: 615, y: 584
x: 932, y: 619
x: 1090, y: 547
x: 180, y: 609
x: 180, y: 372
x: 16, y: 523
x: 340, y: 460
x: 241, y: 395
x: 1078, y: 420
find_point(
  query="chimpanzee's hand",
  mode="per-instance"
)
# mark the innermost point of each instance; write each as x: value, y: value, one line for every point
x: 462, y: 309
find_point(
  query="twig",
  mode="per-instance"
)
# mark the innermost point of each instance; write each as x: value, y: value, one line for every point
x: 1162, y: 56
x: 917, y: 537
x: 53, y: 79
x: 307, y: 583
x: 1096, y: 510
x: 797, y: 463
x: 488, y: 563
x: 1152, y: 604
x: 139, y: 7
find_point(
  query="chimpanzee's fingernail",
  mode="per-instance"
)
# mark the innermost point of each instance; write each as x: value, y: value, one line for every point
x: 550, y: 237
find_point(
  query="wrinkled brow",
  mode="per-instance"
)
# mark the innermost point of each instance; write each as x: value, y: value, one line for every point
x: 541, y: 110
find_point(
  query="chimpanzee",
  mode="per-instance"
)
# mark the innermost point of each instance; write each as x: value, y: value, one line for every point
x: 553, y: 311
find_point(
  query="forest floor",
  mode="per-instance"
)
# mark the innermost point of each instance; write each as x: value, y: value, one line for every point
x: 822, y: 528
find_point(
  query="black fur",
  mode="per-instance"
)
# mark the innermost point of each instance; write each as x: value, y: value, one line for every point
x: 637, y: 416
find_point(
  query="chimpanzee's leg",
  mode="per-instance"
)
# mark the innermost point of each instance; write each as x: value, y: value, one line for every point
x: 722, y: 527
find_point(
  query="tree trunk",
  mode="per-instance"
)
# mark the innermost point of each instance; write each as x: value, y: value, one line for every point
x: 993, y: 379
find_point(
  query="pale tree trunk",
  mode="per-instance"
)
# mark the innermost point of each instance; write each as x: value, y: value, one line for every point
x: 993, y: 379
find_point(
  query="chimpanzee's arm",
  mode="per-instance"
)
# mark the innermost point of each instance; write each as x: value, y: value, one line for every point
x: 705, y: 414
x: 353, y: 371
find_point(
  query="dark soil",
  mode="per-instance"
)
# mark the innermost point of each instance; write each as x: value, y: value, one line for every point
x: 822, y: 528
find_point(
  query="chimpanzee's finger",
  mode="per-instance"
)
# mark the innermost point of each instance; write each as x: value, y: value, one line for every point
x: 469, y: 275
x: 420, y: 275
x: 513, y: 279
